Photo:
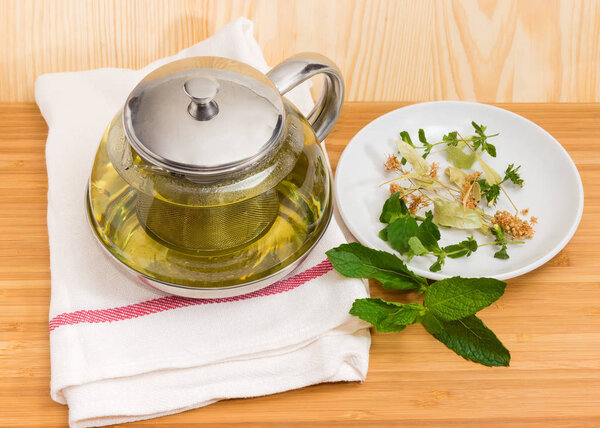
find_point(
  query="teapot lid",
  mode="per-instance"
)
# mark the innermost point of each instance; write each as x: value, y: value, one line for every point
x: 203, y: 116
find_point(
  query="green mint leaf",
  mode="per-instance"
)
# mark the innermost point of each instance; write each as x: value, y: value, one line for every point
x: 470, y: 243
x: 429, y: 233
x: 459, y: 158
x: 383, y: 234
x: 405, y: 136
x: 499, y: 234
x: 431, y: 322
x: 425, y: 143
x: 490, y: 148
x: 500, y: 240
x: 455, y: 298
x: 473, y: 340
x: 393, y: 208
x: 437, y: 266
x: 451, y: 139
x: 357, y: 261
x: 416, y: 247
x: 462, y: 249
x: 455, y: 251
x: 512, y: 175
x: 502, y: 253
x: 479, y: 129
x: 422, y: 138
x: 400, y: 231
x: 491, y: 193
x: 386, y: 316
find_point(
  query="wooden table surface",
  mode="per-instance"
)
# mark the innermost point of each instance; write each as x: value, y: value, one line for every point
x: 549, y: 318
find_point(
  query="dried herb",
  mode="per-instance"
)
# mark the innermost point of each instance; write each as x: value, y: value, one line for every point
x: 451, y: 214
x: 409, y: 153
x: 456, y: 203
x: 458, y: 157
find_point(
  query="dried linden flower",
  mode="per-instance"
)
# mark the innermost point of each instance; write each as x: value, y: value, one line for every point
x: 433, y: 172
x: 513, y: 225
x: 466, y: 190
x: 392, y: 163
x: 416, y: 202
x: 395, y: 188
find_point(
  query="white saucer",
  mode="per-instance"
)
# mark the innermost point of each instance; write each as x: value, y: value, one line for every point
x: 553, y: 191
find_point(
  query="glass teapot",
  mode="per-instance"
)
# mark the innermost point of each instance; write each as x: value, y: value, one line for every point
x: 209, y: 183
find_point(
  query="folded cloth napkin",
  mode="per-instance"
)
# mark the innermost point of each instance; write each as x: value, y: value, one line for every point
x: 121, y: 351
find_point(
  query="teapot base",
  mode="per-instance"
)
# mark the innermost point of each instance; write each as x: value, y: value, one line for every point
x: 202, y: 287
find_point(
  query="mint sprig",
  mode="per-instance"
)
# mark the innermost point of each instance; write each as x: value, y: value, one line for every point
x: 462, y: 249
x: 448, y: 309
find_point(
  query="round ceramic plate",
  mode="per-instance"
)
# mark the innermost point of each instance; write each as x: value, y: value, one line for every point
x: 553, y: 191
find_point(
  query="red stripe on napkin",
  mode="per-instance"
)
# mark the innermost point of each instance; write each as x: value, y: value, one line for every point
x: 162, y: 304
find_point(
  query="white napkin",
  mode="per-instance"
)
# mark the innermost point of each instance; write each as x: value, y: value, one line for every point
x: 121, y: 351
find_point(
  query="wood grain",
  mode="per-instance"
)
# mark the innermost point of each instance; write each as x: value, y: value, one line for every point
x: 388, y: 50
x: 549, y: 318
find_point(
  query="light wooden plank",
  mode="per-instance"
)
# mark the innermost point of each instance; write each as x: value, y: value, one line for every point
x: 549, y: 318
x: 388, y: 50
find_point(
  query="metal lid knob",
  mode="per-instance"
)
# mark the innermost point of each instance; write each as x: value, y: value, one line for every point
x: 201, y: 89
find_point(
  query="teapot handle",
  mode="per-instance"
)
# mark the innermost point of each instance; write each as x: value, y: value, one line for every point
x: 295, y: 70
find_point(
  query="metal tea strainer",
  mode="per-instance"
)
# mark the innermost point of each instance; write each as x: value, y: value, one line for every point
x: 213, y: 229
